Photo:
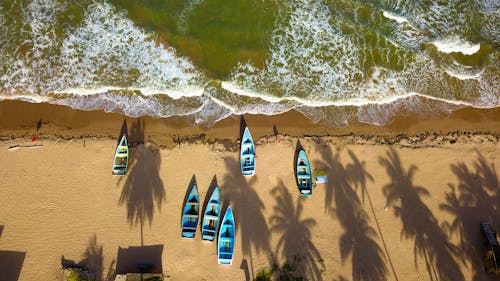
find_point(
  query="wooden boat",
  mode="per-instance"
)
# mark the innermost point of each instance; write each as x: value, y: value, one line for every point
x: 247, y: 154
x: 210, y: 223
x: 227, y: 233
x: 120, y: 163
x: 304, y: 177
x: 190, y: 213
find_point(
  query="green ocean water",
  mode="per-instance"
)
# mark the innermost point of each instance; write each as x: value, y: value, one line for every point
x: 334, y: 61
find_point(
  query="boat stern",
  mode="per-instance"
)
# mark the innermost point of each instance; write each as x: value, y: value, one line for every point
x: 305, y: 192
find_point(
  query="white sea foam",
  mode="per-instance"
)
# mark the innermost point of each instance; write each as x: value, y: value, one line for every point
x: 134, y: 105
x: 464, y: 76
x: 307, y: 55
x: 489, y: 11
x: 182, y: 17
x: 189, y: 91
x: 108, y: 48
x: 393, y: 16
x: 26, y: 53
x: 456, y: 44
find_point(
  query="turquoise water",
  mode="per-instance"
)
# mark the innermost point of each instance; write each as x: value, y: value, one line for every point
x: 334, y: 61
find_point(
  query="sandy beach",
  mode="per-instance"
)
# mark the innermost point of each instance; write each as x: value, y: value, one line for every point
x: 403, y: 201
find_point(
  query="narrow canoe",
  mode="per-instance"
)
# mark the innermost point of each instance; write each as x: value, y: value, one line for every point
x: 225, y: 245
x: 304, y: 177
x: 120, y: 162
x: 190, y: 213
x: 247, y: 154
x: 211, y: 217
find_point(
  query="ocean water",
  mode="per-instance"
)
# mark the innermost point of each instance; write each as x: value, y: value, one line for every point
x: 335, y: 61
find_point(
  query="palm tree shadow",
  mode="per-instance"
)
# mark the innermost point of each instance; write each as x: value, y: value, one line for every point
x: 294, y: 245
x: 248, y: 210
x: 419, y: 224
x: 335, y: 173
x: 359, y: 240
x: 91, y: 265
x: 474, y: 199
x: 143, y: 188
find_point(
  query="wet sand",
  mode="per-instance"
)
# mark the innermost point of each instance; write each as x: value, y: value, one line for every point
x: 403, y: 202
x: 20, y: 119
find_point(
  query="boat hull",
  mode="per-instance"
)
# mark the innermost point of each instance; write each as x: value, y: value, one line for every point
x: 120, y: 161
x: 190, y: 213
x: 303, y: 174
x: 247, y: 154
x: 211, y: 217
x: 225, y: 243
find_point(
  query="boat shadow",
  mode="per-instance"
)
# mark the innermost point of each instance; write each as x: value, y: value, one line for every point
x: 431, y: 243
x: 248, y: 210
x: 303, y: 260
x: 243, y: 125
x: 474, y: 199
x: 142, y: 190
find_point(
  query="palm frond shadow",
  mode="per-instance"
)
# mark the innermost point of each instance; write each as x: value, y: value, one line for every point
x: 91, y: 265
x: 359, y: 240
x: 295, y: 244
x: 330, y: 163
x: 248, y: 210
x: 143, y: 190
x: 474, y: 199
x: 419, y: 224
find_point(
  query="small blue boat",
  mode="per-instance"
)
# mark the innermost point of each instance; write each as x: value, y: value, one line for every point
x: 190, y: 213
x: 304, y: 177
x: 227, y: 233
x: 247, y: 154
x: 120, y: 162
x: 211, y: 217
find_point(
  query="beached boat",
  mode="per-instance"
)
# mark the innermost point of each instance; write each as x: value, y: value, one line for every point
x: 227, y: 233
x: 211, y: 217
x: 120, y: 161
x: 304, y: 177
x: 190, y: 213
x: 247, y: 154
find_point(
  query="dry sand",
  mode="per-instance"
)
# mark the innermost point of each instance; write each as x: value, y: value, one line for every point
x: 406, y: 210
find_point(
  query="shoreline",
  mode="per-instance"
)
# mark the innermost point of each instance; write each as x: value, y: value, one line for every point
x: 19, y: 119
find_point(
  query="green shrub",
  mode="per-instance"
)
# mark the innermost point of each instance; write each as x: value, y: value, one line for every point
x: 75, y: 275
x: 264, y: 275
